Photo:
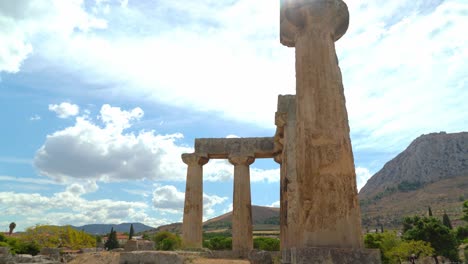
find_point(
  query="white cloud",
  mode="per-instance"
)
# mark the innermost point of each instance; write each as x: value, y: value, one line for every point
x: 24, y: 22
x: 362, y: 175
x: 408, y: 54
x: 35, y: 118
x: 109, y: 153
x: 64, y: 110
x: 275, y: 204
x: 168, y: 199
x: 68, y: 207
x: 222, y: 170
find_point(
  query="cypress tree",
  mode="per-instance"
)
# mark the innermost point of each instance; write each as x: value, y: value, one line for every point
x: 112, y: 241
x: 131, y: 232
x: 446, y: 221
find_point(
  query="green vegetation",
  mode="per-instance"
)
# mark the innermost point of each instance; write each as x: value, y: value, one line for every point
x: 465, y: 211
x: 218, y: 243
x: 167, y: 241
x: 112, y: 241
x: 384, y: 241
x: 266, y: 243
x: 131, y: 233
x: 218, y: 225
x: 446, y: 221
x: 58, y: 236
x: 40, y: 236
x: 12, y: 227
x: 410, y: 249
x: 429, y: 211
x: 275, y: 220
x: 406, y: 186
x: 431, y: 230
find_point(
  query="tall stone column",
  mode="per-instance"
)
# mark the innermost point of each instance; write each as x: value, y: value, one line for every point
x: 242, y: 240
x: 192, y: 226
x: 326, y: 180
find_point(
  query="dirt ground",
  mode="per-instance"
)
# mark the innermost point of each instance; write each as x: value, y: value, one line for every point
x: 114, y: 257
x: 103, y: 257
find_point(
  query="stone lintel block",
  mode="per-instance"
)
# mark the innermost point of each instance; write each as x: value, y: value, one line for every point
x: 319, y: 255
x: 329, y: 15
x: 222, y: 148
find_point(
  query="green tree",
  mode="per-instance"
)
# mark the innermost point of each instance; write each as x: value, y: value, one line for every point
x: 431, y: 230
x: 167, y: 241
x: 465, y: 211
x: 12, y: 227
x: 410, y: 250
x: 131, y: 232
x: 58, y: 236
x: 266, y: 243
x: 385, y: 241
x: 218, y: 243
x: 446, y: 221
x: 112, y: 241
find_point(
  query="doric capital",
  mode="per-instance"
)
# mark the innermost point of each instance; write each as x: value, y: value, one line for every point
x: 194, y: 159
x: 241, y: 160
x: 281, y: 119
x: 330, y: 16
x: 279, y: 158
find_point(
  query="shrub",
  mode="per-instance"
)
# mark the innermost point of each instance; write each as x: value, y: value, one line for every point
x: 167, y: 241
x: 218, y: 243
x: 266, y: 243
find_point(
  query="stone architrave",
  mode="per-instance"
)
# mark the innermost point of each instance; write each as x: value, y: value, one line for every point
x: 326, y: 180
x: 192, y: 226
x: 242, y: 240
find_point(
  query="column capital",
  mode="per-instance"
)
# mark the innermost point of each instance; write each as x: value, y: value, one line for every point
x: 194, y: 159
x: 329, y: 16
x: 278, y: 158
x: 241, y: 160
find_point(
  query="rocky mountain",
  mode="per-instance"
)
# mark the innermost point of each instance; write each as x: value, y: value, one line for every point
x: 101, y: 229
x: 432, y: 171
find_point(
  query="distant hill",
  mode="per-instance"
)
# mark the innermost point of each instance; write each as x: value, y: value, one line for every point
x: 432, y: 171
x: 101, y: 229
x: 263, y: 218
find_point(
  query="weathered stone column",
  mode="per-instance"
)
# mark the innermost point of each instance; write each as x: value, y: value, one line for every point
x: 192, y: 226
x: 242, y: 240
x: 326, y: 180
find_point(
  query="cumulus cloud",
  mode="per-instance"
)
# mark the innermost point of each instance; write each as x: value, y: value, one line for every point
x: 109, y: 153
x: 64, y: 110
x: 68, y: 207
x: 168, y: 199
x: 362, y: 175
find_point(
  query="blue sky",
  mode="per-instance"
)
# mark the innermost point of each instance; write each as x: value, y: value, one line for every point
x: 100, y: 97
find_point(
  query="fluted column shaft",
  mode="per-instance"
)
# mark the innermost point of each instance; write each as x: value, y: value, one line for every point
x: 326, y: 180
x: 192, y: 226
x: 242, y: 241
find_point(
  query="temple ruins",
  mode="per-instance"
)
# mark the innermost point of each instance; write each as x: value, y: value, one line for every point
x: 319, y: 210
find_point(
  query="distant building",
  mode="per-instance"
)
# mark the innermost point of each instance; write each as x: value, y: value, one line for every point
x: 121, y: 237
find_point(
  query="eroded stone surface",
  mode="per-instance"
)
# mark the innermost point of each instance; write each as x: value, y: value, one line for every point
x: 326, y: 180
x: 192, y: 231
x: 242, y: 240
x: 221, y: 148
